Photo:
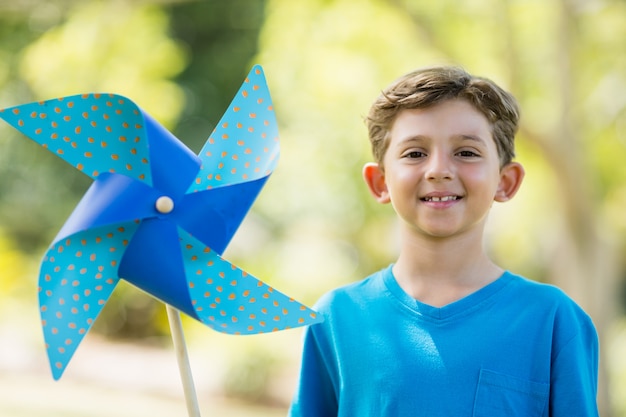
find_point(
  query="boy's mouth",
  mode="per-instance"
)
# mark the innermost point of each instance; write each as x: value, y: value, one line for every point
x: 442, y: 198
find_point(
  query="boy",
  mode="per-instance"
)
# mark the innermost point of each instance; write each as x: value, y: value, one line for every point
x: 444, y: 331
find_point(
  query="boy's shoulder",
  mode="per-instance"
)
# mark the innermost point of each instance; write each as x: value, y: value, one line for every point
x: 358, y: 292
x: 546, y: 301
x: 540, y: 292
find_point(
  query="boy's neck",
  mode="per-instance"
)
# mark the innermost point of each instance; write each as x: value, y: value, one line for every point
x: 440, y: 271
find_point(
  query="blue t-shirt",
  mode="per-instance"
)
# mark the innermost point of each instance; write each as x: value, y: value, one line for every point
x: 513, y: 348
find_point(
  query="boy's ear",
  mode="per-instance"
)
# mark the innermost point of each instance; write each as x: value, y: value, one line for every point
x: 511, y: 176
x: 374, y: 177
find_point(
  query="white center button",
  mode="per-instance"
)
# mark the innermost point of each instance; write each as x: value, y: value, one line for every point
x: 164, y: 205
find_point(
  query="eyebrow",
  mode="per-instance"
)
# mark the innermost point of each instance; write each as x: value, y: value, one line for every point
x: 415, y: 138
x: 473, y: 138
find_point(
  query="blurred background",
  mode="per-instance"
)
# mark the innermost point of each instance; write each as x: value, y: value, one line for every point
x: 314, y: 226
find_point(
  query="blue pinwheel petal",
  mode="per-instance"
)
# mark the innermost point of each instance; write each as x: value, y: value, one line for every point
x: 154, y: 263
x: 111, y: 199
x: 229, y: 300
x: 93, y: 132
x: 215, y: 215
x: 174, y: 166
x: 244, y: 145
x: 78, y: 275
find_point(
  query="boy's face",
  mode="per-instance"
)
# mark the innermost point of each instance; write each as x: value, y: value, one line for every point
x: 441, y: 170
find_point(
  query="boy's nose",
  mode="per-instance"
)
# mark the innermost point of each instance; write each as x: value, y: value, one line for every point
x: 439, y: 167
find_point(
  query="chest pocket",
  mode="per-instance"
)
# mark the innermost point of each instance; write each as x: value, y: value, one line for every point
x: 504, y: 395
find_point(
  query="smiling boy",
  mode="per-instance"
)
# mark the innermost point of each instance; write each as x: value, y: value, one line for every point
x: 444, y: 331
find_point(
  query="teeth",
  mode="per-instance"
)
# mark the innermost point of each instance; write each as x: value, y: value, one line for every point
x: 445, y: 198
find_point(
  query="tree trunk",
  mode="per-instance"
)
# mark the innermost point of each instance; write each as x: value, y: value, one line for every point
x: 585, y: 264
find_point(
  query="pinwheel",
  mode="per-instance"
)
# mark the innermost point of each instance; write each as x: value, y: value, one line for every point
x: 156, y: 215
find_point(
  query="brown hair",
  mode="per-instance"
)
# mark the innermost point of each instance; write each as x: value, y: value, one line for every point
x: 429, y: 86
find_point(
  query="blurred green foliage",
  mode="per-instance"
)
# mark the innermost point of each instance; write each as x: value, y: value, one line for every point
x: 314, y: 226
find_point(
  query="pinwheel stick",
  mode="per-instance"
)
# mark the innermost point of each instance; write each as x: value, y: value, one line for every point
x: 182, y: 357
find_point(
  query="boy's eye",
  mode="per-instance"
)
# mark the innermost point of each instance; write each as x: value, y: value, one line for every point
x: 414, y: 154
x: 467, y: 154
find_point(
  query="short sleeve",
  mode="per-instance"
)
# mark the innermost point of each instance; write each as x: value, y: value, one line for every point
x: 574, y: 380
x: 315, y: 393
